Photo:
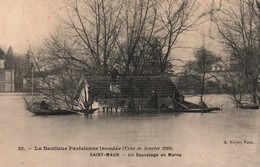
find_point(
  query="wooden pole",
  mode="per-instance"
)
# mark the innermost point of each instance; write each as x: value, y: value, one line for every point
x: 32, y: 86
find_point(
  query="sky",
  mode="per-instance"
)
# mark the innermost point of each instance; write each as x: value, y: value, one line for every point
x: 27, y: 23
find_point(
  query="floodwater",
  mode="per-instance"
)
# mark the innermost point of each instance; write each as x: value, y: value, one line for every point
x: 198, y: 138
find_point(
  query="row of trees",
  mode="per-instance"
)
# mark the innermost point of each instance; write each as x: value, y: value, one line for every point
x: 140, y: 37
x: 238, y: 26
x: 239, y: 31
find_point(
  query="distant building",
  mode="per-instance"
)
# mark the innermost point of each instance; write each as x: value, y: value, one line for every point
x: 106, y: 92
x: 6, y: 77
x: 38, y: 80
x: 42, y: 79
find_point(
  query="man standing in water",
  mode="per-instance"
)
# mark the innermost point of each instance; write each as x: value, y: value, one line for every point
x: 154, y: 100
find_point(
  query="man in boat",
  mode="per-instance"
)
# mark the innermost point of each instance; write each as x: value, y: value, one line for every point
x: 202, y: 104
x: 90, y: 98
x: 178, y: 100
x: 175, y: 96
x: 154, y: 100
x: 44, y: 105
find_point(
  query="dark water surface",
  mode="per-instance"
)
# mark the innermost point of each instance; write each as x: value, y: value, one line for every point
x: 198, y: 138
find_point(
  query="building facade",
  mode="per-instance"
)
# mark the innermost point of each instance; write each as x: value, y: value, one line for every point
x: 6, y: 78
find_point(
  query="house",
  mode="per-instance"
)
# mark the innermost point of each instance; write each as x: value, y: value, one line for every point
x: 38, y: 80
x: 105, y: 92
x: 42, y: 79
x: 6, y: 77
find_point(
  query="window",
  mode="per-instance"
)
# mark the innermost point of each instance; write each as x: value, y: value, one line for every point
x: 2, y: 64
x: 8, y: 75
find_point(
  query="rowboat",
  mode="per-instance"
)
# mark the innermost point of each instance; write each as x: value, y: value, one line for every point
x: 175, y: 110
x: 200, y: 110
x: 37, y: 110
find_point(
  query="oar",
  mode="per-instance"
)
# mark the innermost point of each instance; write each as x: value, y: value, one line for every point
x: 27, y: 104
x: 181, y: 104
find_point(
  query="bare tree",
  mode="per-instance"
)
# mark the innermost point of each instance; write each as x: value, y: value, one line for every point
x: 238, y: 26
x: 122, y: 31
x: 132, y: 34
x: 231, y: 80
x: 56, y: 71
x: 154, y: 26
x: 95, y: 25
x: 204, y: 61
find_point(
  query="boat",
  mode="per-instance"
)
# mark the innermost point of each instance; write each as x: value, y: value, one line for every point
x: 200, y: 110
x: 248, y: 106
x: 188, y: 107
x: 177, y: 110
x: 195, y: 108
x: 35, y: 107
x: 180, y: 107
x: 37, y: 110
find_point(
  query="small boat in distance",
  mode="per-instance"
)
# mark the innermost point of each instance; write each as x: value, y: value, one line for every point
x: 184, y: 107
x: 248, y: 106
x: 171, y: 110
x: 200, y: 110
x: 189, y: 107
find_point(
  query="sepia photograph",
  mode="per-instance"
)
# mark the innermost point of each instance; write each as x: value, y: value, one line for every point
x: 129, y: 83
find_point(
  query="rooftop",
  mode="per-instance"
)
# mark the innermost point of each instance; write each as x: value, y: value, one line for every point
x: 135, y: 86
